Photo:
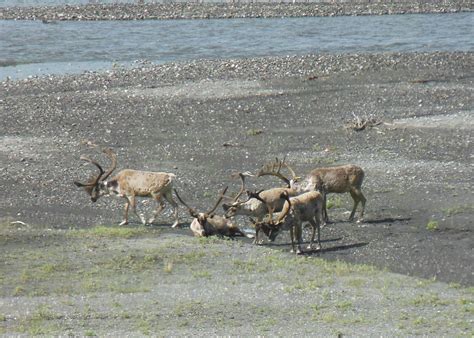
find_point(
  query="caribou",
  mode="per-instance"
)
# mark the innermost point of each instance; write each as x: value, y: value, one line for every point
x: 206, y: 224
x: 339, y: 179
x: 129, y: 184
x: 257, y: 205
x: 297, y: 210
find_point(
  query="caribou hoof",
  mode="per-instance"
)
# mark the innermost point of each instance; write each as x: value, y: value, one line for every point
x: 175, y: 225
x: 123, y: 223
x: 298, y: 251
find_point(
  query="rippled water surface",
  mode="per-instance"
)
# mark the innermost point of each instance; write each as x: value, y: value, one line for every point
x: 33, y: 48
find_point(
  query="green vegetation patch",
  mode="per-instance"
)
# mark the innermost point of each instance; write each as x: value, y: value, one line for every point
x: 110, y: 232
x: 325, y: 160
x: 432, y: 225
x: 334, y: 201
x: 459, y: 209
x: 101, y: 283
x: 428, y: 300
x: 254, y: 132
x: 133, y: 262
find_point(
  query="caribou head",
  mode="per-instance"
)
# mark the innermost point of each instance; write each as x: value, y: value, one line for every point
x: 231, y: 208
x: 272, y: 227
x: 201, y: 223
x: 96, y: 186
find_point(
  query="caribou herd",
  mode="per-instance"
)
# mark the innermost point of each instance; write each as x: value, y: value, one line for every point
x: 302, y: 200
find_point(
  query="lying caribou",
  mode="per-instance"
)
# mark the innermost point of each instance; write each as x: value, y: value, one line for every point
x: 297, y: 210
x: 206, y: 224
x: 130, y: 184
x: 340, y: 179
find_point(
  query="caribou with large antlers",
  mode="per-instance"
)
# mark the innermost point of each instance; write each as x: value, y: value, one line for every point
x: 340, y: 179
x: 297, y: 210
x: 249, y: 207
x: 206, y: 224
x: 130, y: 184
x: 258, y: 204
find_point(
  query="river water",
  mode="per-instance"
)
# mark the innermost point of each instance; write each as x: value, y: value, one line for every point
x: 29, y: 48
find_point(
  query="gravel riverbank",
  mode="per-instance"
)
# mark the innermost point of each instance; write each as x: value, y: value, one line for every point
x: 204, y: 120
x: 227, y: 10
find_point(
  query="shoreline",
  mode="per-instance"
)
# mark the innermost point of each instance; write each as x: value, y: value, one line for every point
x: 252, y: 68
x: 175, y: 11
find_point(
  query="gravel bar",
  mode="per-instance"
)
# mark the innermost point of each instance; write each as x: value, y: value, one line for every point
x: 155, y: 11
x: 259, y: 68
x: 203, y: 120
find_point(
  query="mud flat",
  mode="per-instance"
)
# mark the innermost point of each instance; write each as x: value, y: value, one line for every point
x: 68, y: 268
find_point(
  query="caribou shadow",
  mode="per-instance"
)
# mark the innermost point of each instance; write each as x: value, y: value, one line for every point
x: 335, y: 248
x: 270, y: 244
x: 387, y: 220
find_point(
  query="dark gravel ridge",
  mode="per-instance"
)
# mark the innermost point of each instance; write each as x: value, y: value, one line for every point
x: 226, y: 11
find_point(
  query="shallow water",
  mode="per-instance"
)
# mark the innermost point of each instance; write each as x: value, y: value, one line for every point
x: 33, y: 48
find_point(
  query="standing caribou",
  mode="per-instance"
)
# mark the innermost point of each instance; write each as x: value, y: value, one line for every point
x: 258, y: 204
x: 340, y: 179
x: 297, y: 210
x: 130, y: 184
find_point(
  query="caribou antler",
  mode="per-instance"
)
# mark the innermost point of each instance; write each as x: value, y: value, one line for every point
x: 94, y: 182
x: 292, y: 172
x: 192, y: 211
x: 242, y: 187
x: 274, y: 168
x: 113, y: 157
x: 221, y: 196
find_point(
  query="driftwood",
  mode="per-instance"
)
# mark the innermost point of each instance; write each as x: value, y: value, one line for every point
x: 359, y: 123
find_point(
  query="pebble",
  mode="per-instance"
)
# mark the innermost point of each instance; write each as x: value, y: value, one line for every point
x: 249, y: 69
x: 156, y: 11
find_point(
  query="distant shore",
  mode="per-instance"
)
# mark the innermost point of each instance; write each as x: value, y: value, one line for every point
x: 153, y: 11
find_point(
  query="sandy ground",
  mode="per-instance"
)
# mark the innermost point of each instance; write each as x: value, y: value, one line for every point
x: 206, y: 120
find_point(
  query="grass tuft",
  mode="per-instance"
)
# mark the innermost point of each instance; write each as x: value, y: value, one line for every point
x: 254, y: 132
x: 110, y: 232
x: 334, y: 202
x: 432, y: 225
x: 460, y: 209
